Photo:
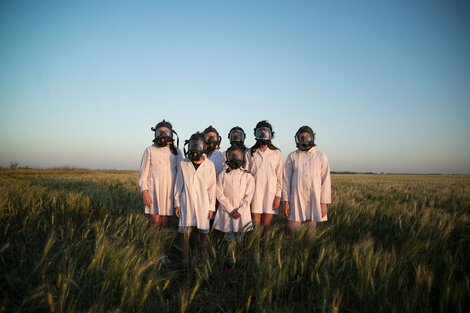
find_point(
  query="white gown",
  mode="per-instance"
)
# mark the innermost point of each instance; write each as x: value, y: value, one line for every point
x: 195, y: 193
x: 218, y: 158
x: 266, y: 168
x: 235, y: 190
x: 306, y: 184
x: 157, y: 175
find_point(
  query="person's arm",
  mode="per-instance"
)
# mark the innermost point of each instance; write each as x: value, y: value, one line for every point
x: 286, y: 185
x: 248, y: 160
x: 325, y: 195
x: 179, y: 185
x: 212, y: 190
x: 278, y: 169
x: 249, y: 192
x: 224, y: 202
x: 143, y: 178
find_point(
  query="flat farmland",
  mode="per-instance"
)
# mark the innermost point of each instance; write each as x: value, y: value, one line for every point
x: 78, y: 241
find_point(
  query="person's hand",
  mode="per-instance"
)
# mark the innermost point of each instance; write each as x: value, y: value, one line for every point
x: 286, y: 209
x: 209, y: 215
x: 276, y: 203
x: 146, y: 198
x: 178, y: 211
x: 324, y: 209
x: 235, y: 214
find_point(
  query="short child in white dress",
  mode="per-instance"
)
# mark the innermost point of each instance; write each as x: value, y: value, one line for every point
x: 195, y: 194
x: 235, y: 188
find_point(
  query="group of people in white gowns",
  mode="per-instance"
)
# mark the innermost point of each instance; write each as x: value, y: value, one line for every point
x: 239, y: 188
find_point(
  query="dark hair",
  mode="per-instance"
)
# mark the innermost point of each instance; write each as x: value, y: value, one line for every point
x: 210, y: 129
x: 198, y: 135
x: 257, y: 145
x: 163, y: 123
x: 263, y: 123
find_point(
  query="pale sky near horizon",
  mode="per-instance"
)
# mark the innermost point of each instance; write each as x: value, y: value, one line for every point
x: 385, y: 84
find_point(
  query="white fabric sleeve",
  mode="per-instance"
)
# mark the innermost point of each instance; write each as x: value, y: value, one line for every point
x: 279, y: 174
x: 287, y: 178
x: 249, y: 192
x: 179, y: 158
x: 179, y: 185
x: 212, y: 188
x: 248, y: 160
x: 144, y: 170
x: 325, y: 196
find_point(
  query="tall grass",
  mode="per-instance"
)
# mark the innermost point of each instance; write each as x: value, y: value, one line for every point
x: 75, y: 241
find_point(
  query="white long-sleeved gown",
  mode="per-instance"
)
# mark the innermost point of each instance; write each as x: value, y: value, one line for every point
x: 306, y: 184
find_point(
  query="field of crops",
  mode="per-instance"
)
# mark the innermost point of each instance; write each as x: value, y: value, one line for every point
x: 77, y: 241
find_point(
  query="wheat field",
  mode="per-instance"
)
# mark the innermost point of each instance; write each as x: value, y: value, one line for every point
x: 78, y: 241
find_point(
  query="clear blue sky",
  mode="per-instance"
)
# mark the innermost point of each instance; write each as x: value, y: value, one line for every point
x: 386, y: 85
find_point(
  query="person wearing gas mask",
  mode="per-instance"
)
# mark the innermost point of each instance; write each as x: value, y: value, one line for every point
x: 158, y: 170
x: 211, y: 135
x: 264, y: 161
x: 195, y: 195
x: 213, y: 148
x: 235, y: 189
x: 306, y: 183
x: 237, y: 137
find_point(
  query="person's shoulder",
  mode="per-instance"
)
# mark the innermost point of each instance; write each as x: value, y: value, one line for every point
x: 247, y: 175
x: 161, y: 150
x: 246, y: 172
x: 209, y: 162
x: 185, y: 161
x: 292, y: 154
x: 277, y: 151
x: 320, y: 154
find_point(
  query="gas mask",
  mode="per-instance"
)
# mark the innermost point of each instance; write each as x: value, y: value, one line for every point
x: 196, y: 147
x: 211, y: 135
x: 212, y: 143
x: 235, y: 157
x: 163, y: 137
x: 237, y: 136
x: 304, y: 138
x: 263, y: 135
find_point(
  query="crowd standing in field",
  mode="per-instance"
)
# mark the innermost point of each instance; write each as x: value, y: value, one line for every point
x: 232, y: 192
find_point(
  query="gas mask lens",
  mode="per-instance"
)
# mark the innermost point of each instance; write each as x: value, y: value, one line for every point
x: 263, y: 133
x: 212, y: 140
x: 195, y: 149
x: 196, y: 146
x: 162, y: 131
x: 236, y: 136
